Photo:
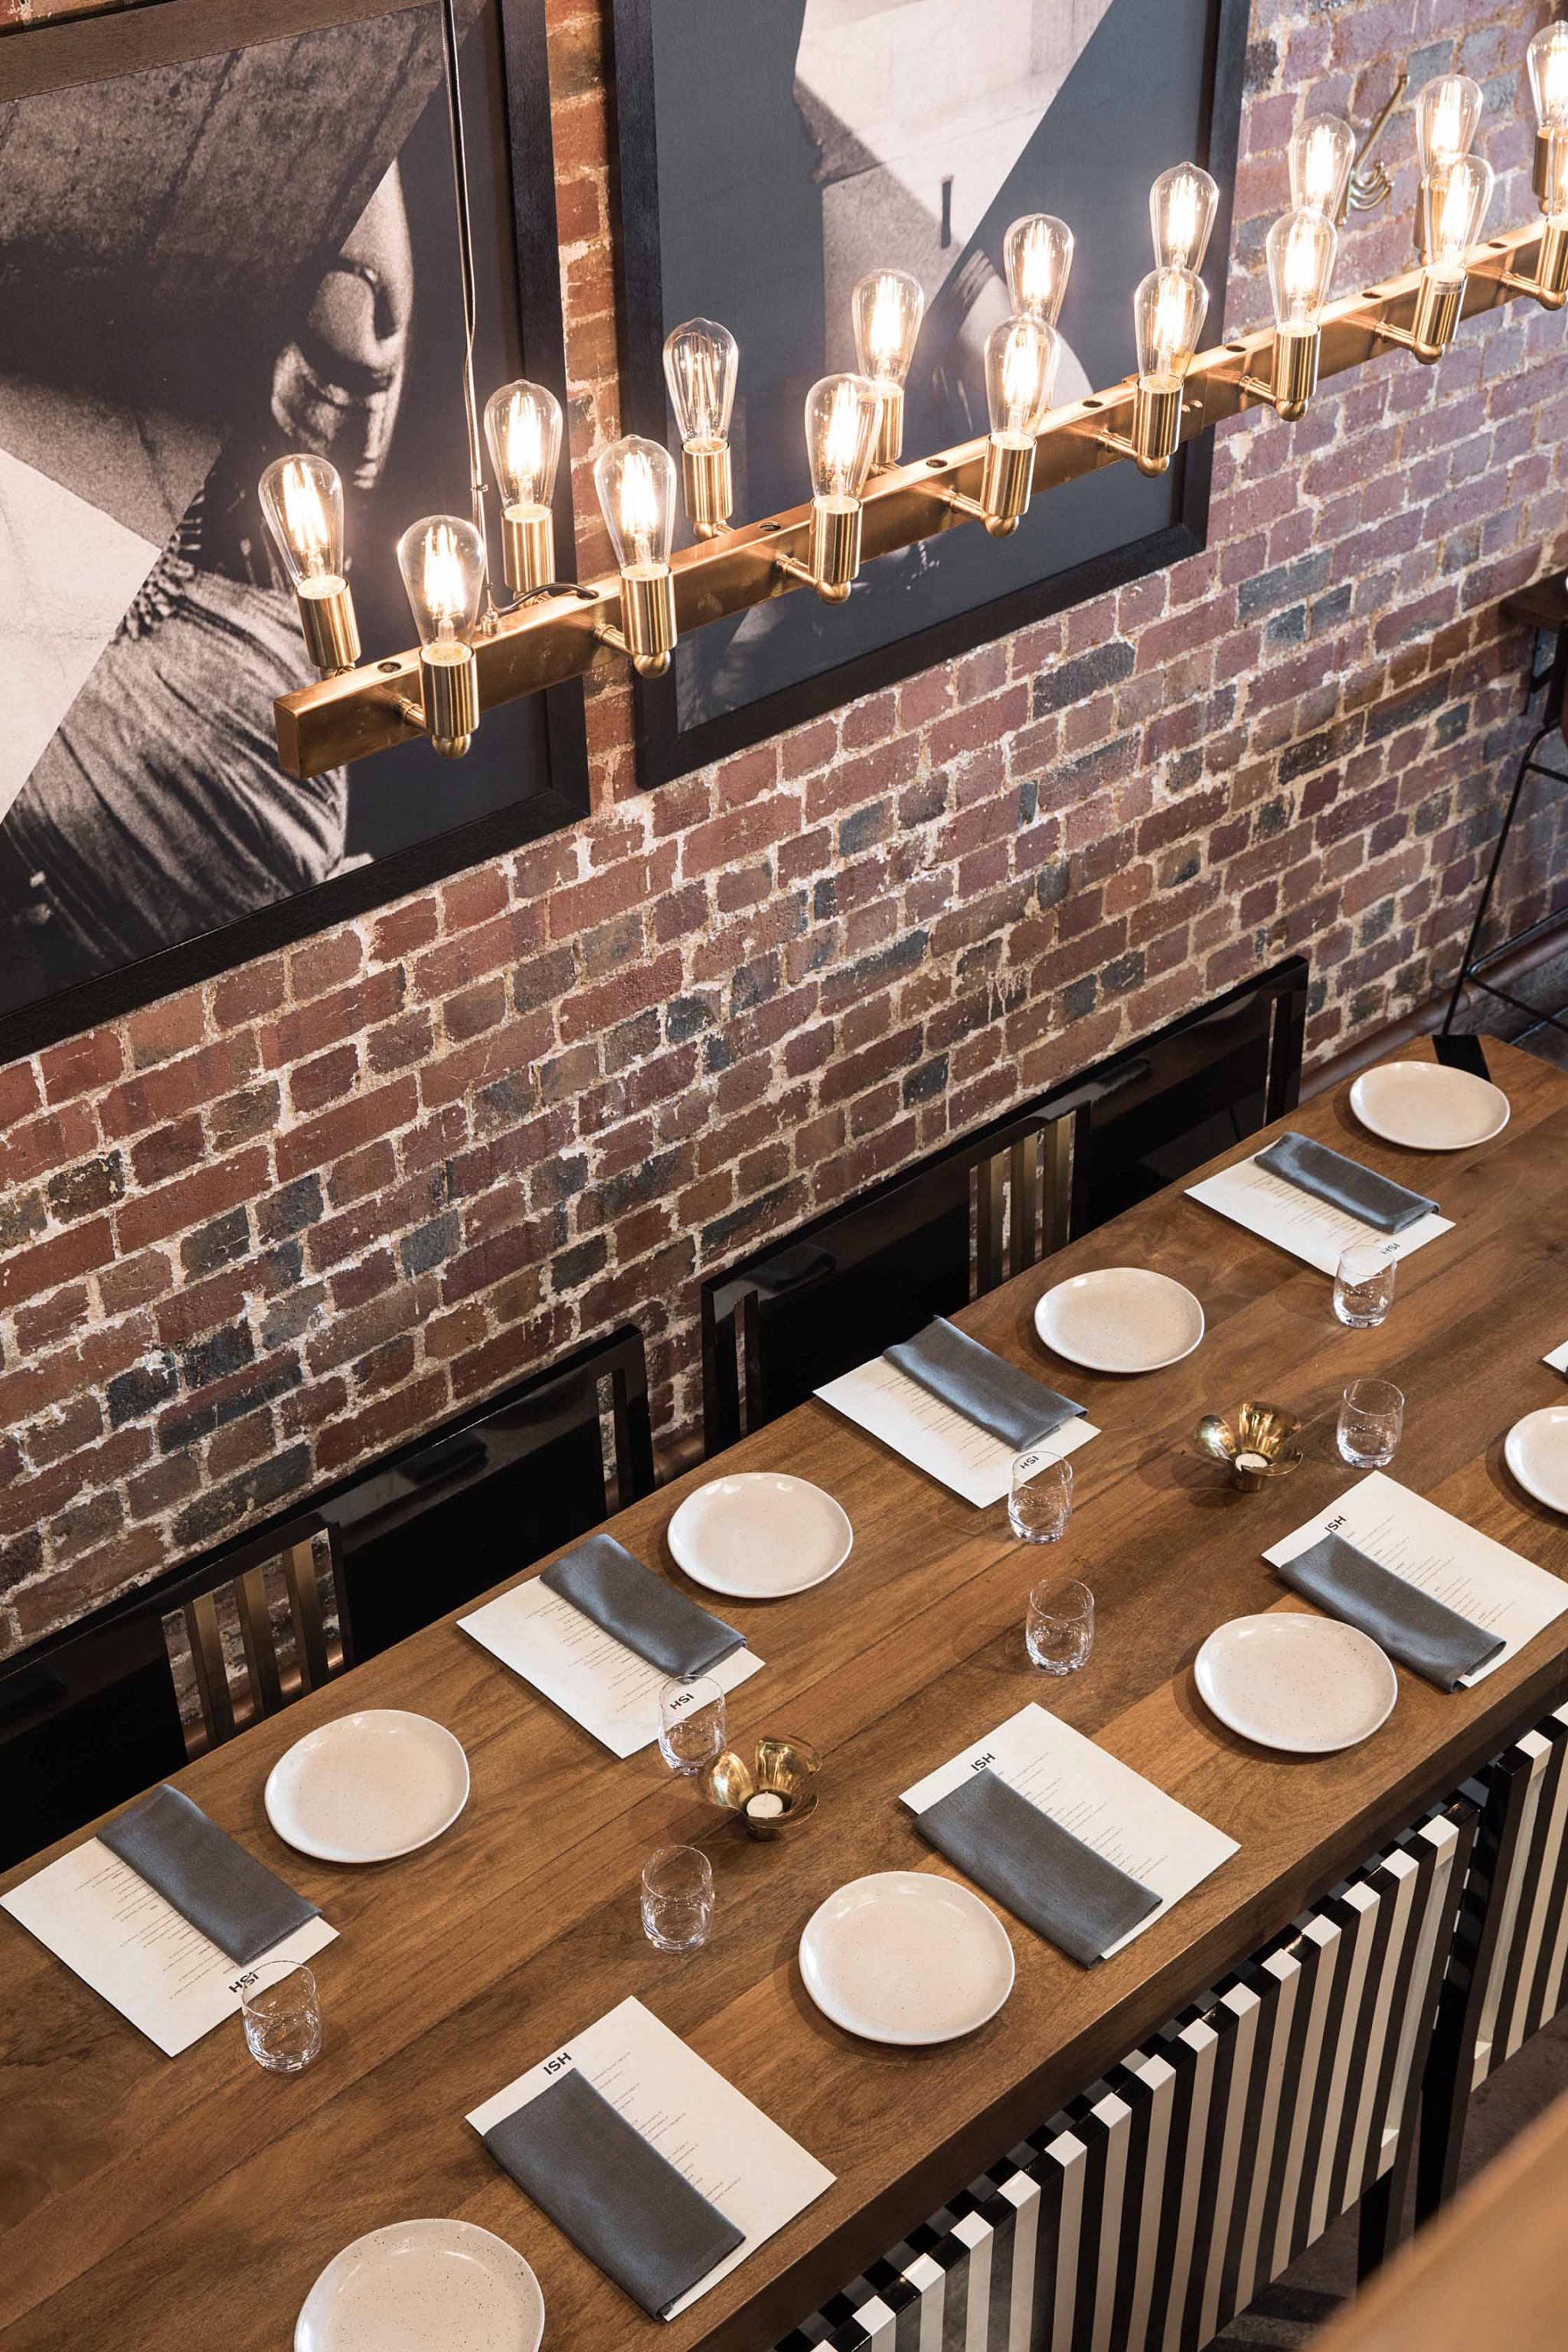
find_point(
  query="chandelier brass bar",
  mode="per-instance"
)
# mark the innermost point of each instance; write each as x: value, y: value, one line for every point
x: 548, y: 641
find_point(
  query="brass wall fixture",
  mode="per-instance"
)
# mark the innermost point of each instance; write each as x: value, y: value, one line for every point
x: 866, y: 500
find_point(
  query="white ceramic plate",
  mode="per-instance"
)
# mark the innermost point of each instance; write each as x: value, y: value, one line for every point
x: 908, y: 1957
x: 420, y: 2283
x: 758, y: 1534
x: 1124, y: 1318
x: 1536, y: 1451
x: 366, y: 1787
x: 1307, y: 1684
x: 1429, y: 1107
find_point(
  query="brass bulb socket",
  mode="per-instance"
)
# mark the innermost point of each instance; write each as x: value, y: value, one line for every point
x: 647, y: 617
x: 327, y: 618
x: 1295, y: 371
x: 1156, y: 426
x: 1552, y: 266
x: 1549, y: 169
x: 707, y: 486
x: 528, y: 547
x: 835, y: 553
x: 449, y: 687
x: 890, y: 431
x: 1436, y: 316
x: 1005, y: 482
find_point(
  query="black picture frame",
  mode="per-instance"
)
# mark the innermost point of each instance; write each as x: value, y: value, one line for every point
x: 62, y: 55
x: 667, y: 748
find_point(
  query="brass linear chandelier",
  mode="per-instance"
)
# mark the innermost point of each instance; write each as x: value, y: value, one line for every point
x: 473, y: 655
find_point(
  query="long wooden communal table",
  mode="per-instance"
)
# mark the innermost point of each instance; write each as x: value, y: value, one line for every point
x: 146, y: 2201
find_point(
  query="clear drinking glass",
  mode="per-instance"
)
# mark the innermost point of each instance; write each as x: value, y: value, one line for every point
x: 1058, y: 1627
x: 1372, y: 1420
x: 1363, y: 1282
x: 691, y: 1722
x: 1039, y: 1499
x: 282, y: 2017
x: 677, y: 1899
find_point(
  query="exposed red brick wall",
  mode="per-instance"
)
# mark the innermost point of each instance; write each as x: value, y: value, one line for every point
x: 257, y: 1232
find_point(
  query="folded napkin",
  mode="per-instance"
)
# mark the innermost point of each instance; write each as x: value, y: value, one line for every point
x: 603, y: 1580
x: 984, y: 1387
x: 212, y: 1882
x: 1044, y: 1874
x: 1345, y: 1183
x: 1422, y: 1632
x: 617, y: 2199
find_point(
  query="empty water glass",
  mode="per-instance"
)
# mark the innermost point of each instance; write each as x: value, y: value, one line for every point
x: 1058, y: 1627
x: 677, y: 1899
x: 1363, y: 1282
x: 1040, y: 1497
x: 1372, y: 1420
x: 691, y: 1722
x: 282, y: 2017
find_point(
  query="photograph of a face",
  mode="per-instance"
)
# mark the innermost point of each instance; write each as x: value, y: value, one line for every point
x: 772, y: 152
x: 204, y: 266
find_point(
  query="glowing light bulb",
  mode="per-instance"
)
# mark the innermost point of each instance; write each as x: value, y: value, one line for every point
x: 1021, y: 361
x: 701, y: 360
x: 842, y: 413
x: 1169, y: 309
x: 887, y: 308
x: 1322, y: 155
x: 1458, y: 195
x: 522, y: 426
x: 442, y: 560
x: 636, y: 482
x: 1448, y: 111
x: 1182, y: 208
x: 701, y: 363
x: 303, y: 507
x: 1546, y: 61
x: 1300, y: 257
x: 1036, y: 254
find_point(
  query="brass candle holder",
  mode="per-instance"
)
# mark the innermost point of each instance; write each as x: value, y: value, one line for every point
x: 770, y: 1789
x: 1256, y: 1445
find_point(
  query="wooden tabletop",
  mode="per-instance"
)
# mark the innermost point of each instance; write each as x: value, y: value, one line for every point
x: 1486, y: 2274
x: 145, y: 2200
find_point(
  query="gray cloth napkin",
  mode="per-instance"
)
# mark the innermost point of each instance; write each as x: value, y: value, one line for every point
x: 1345, y: 1183
x: 984, y: 1387
x: 617, y: 2199
x: 1420, y: 1632
x: 1044, y: 1874
x: 603, y: 1580
x: 212, y: 1882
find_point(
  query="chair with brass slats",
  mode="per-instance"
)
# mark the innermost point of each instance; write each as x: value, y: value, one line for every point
x: 319, y: 1643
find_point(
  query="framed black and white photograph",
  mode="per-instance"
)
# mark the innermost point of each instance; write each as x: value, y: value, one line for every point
x: 771, y: 152
x: 208, y: 260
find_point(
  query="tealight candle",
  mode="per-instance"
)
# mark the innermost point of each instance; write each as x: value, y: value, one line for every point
x: 1252, y: 1463
x: 765, y: 1806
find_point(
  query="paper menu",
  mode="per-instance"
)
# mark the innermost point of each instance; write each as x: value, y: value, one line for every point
x: 936, y: 1436
x: 1104, y: 1803
x: 1468, y: 1571
x: 596, y: 1679
x: 737, y: 2156
x: 122, y: 1937
x: 1558, y: 1359
x: 1281, y: 1213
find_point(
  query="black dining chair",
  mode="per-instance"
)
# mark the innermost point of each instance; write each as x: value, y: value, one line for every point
x: 97, y: 1713
x: 1158, y: 1109
x: 865, y: 1275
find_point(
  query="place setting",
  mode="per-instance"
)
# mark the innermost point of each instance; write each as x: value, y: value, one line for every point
x: 957, y: 1410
